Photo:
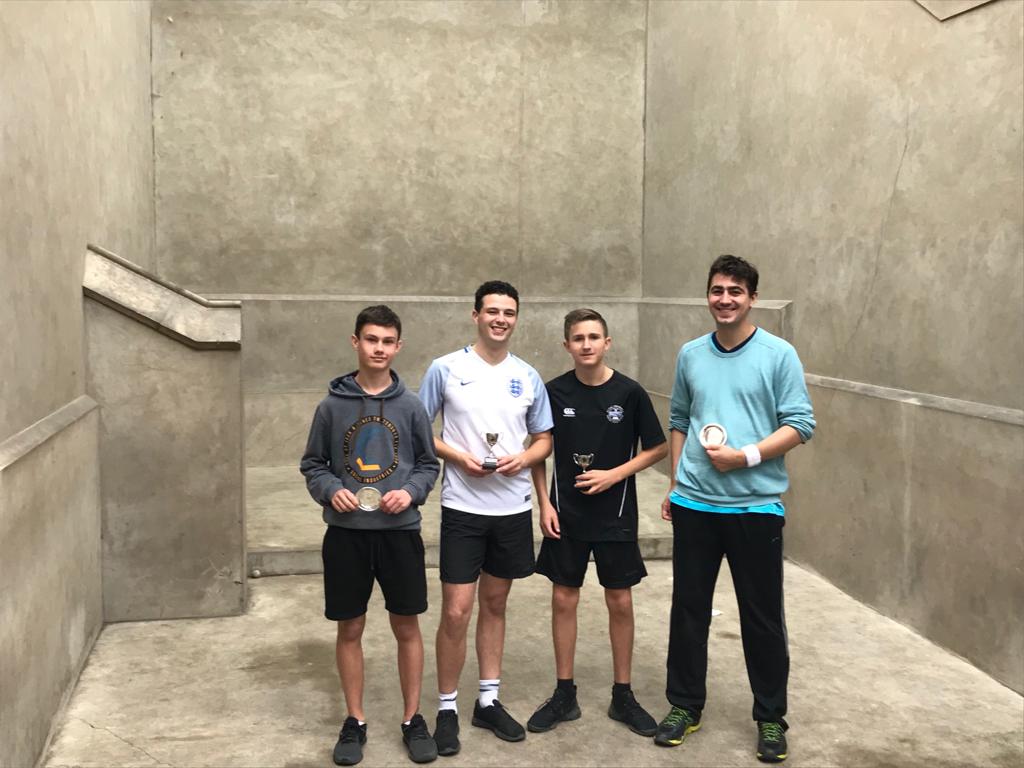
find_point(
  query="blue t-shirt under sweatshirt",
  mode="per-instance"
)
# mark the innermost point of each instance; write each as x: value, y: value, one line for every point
x: 751, y: 390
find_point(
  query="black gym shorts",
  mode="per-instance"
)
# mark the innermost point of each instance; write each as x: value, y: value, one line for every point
x: 501, y: 545
x: 619, y: 563
x: 353, y: 558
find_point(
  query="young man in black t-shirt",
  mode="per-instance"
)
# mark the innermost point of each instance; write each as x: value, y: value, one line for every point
x: 600, y: 415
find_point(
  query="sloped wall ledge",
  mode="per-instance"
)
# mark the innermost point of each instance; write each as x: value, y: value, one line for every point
x: 186, y: 317
x: 23, y: 443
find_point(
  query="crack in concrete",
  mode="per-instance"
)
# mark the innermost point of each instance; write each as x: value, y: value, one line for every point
x: 136, y: 747
x: 881, y: 234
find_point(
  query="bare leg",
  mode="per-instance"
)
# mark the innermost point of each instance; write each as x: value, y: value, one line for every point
x: 450, y: 646
x: 490, y: 625
x: 410, y: 660
x: 620, y: 631
x: 349, y: 654
x: 563, y: 628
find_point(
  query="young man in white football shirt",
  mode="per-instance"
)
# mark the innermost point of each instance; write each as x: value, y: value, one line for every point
x: 492, y: 405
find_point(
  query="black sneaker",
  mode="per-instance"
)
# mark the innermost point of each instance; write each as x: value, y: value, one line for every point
x: 561, y: 706
x: 771, y: 742
x: 677, y: 725
x: 626, y: 709
x: 496, y: 719
x: 349, y: 749
x: 446, y: 733
x: 418, y: 740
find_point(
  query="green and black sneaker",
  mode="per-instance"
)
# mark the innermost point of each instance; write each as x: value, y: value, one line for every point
x: 771, y: 742
x: 677, y: 725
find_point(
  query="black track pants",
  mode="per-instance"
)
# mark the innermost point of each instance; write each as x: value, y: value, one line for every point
x: 753, y: 545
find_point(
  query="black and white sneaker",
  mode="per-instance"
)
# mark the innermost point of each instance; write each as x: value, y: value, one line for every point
x: 349, y: 749
x: 446, y: 733
x: 562, y: 706
x: 418, y: 740
x: 496, y: 719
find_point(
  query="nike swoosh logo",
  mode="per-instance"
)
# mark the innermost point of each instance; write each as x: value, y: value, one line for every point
x: 464, y: 383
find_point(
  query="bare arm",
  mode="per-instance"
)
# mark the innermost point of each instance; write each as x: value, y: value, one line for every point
x: 599, y: 480
x: 469, y: 463
x: 538, y: 450
x: 548, y: 514
x: 676, y: 440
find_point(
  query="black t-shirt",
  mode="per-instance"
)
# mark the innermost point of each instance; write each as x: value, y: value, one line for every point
x: 607, y: 421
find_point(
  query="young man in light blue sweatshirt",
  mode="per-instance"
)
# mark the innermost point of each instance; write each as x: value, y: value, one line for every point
x: 739, y: 404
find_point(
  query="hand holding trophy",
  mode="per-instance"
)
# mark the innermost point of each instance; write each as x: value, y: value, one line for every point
x: 490, y: 462
x: 583, y: 460
x: 713, y: 434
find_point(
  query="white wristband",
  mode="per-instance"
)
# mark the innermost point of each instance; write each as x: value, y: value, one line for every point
x: 752, y: 453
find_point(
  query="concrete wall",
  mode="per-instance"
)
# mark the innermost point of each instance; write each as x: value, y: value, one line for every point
x: 872, y: 166
x: 51, y: 605
x: 308, y: 154
x: 75, y: 167
x: 294, y: 346
x: 411, y: 148
x: 165, y: 367
x: 171, y: 464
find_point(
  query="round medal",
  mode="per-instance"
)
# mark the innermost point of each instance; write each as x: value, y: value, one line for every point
x: 368, y: 498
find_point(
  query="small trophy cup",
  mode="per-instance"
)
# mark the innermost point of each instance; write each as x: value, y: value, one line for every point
x: 583, y: 460
x: 368, y: 498
x: 490, y: 462
x: 713, y: 434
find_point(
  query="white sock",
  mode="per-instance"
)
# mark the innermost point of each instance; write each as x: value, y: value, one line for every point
x: 488, y: 692
x: 447, y: 701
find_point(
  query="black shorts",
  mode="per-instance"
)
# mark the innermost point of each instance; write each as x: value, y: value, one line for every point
x: 353, y: 558
x: 500, y: 545
x: 619, y: 563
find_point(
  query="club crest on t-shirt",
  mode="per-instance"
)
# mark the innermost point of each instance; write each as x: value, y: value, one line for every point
x: 515, y: 387
x: 615, y: 413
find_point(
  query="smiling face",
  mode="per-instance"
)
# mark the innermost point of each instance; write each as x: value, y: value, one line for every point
x: 376, y: 346
x: 729, y: 301
x: 496, y: 319
x: 587, y: 344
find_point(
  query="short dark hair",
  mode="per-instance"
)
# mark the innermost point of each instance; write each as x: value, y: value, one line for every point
x: 378, y: 314
x: 499, y: 287
x: 581, y: 315
x: 738, y: 269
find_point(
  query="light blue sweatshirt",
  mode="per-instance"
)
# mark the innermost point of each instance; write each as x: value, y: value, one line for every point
x: 751, y: 391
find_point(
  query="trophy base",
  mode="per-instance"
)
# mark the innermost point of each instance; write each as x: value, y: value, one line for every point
x: 489, y: 464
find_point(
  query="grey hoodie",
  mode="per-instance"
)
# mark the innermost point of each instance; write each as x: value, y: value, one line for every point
x: 383, y: 440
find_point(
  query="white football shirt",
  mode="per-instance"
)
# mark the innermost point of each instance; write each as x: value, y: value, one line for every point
x: 475, y: 397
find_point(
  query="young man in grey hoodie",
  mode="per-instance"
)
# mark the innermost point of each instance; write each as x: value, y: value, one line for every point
x: 370, y: 463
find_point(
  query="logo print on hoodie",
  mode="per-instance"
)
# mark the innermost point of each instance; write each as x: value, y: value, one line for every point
x: 371, y: 449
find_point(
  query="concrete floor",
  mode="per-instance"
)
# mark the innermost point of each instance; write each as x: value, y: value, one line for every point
x: 261, y: 689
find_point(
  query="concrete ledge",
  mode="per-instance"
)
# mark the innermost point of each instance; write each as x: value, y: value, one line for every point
x: 297, y: 562
x: 30, y: 438
x: 936, y: 402
x: 167, y: 308
x: 947, y: 9
x: 582, y: 300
